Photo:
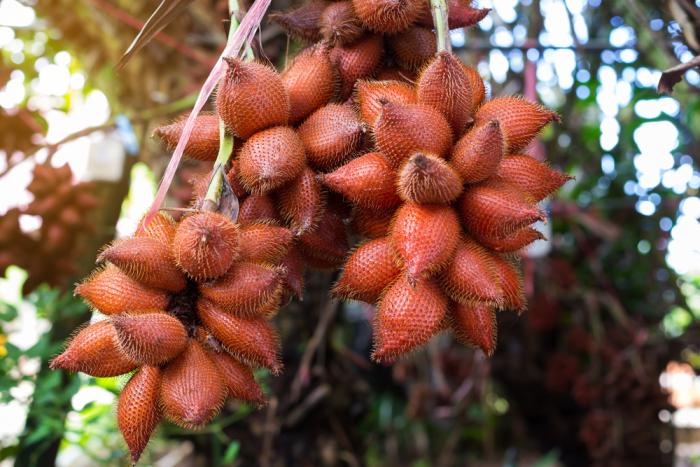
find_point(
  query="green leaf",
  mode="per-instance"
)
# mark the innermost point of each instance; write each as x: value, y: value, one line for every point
x: 232, y: 452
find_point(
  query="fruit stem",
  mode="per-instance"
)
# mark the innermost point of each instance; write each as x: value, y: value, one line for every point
x: 213, y: 197
x: 442, y: 28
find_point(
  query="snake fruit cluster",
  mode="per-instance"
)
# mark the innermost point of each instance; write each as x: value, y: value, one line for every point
x: 187, y: 305
x: 368, y: 133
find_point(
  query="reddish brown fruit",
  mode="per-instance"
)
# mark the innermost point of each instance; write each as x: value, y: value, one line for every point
x: 460, y: 14
x: 413, y: 48
x: 532, y: 177
x: 234, y: 180
x: 408, y: 316
x: 474, y: 324
x: 161, y: 227
x: 368, y: 181
x: 401, y: 130
x: 271, y: 158
x: 310, y: 81
x: 251, y: 98
x: 111, y: 291
x: 206, y: 245
x: 427, y: 179
x: 302, y: 22
x: 250, y: 339
x: 370, y: 95
x: 511, y: 282
x: 368, y: 271
x: 514, y: 242
x: 94, y: 351
x: 472, y: 275
x: 476, y: 84
x: 264, y: 243
x: 339, y: 24
x: 238, y: 378
x: 477, y: 154
x: 150, y: 338
x: 425, y: 237
x: 330, y: 135
x: 147, y: 261
x: 138, y: 412
x: 444, y: 85
x: 496, y: 210
x: 372, y: 223
x: 293, y: 263
x: 388, y: 16
x: 326, y: 246
x: 396, y: 74
x: 203, y: 144
x: 192, y: 389
x: 520, y: 120
x: 245, y: 289
x: 300, y: 202
x: 356, y: 61
x: 257, y: 208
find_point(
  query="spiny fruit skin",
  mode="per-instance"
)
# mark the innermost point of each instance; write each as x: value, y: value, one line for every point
x: 401, y: 130
x: 532, y: 177
x: 111, y: 291
x: 264, y: 243
x: 245, y: 288
x: 339, y: 24
x: 145, y: 260
x: 326, y: 246
x: 302, y: 22
x: 331, y: 134
x: 520, y: 119
x: 94, y: 351
x: 271, y: 158
x: 428, y: 179
x: 478, y: 153
x: 239, y: 380
x: 408, y: 316
x: 310, y: 81
x: 474, y: 324
x: 476, y: 85
x: 257, y: 208
x: 387, y: 16
x: 472, y: 275
x: 300, y: 202
x: 192, y: 390
x: 461, y: 14
x: 371, y: 95
x: 161, y: 228
x: 444, y: 85
x: 413, y: 48
x: 511, y: 283
x: 138, y: 410
x: 356, y: 61
x: 150, y: 338
x: 496, y: 210
x: 424, y: 236
x: 514, y: 242
x: 368, y: 181
x: 250, y: 339
x: 203, y: 144
x: 293, y: 263
x: 368, y: 271
x: 372, y: 223
x: 251, y: 98
x: 206, y: 245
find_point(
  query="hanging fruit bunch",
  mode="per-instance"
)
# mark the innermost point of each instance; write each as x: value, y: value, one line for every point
x: 187, y: 305
x: 361, y: 130
x: 48, y: 253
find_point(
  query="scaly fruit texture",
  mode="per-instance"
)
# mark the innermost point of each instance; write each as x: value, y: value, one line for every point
x: 363, y: 129
x: 187, y: 307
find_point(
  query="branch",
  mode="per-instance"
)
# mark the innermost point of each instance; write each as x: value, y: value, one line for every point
x: 674, y: 75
